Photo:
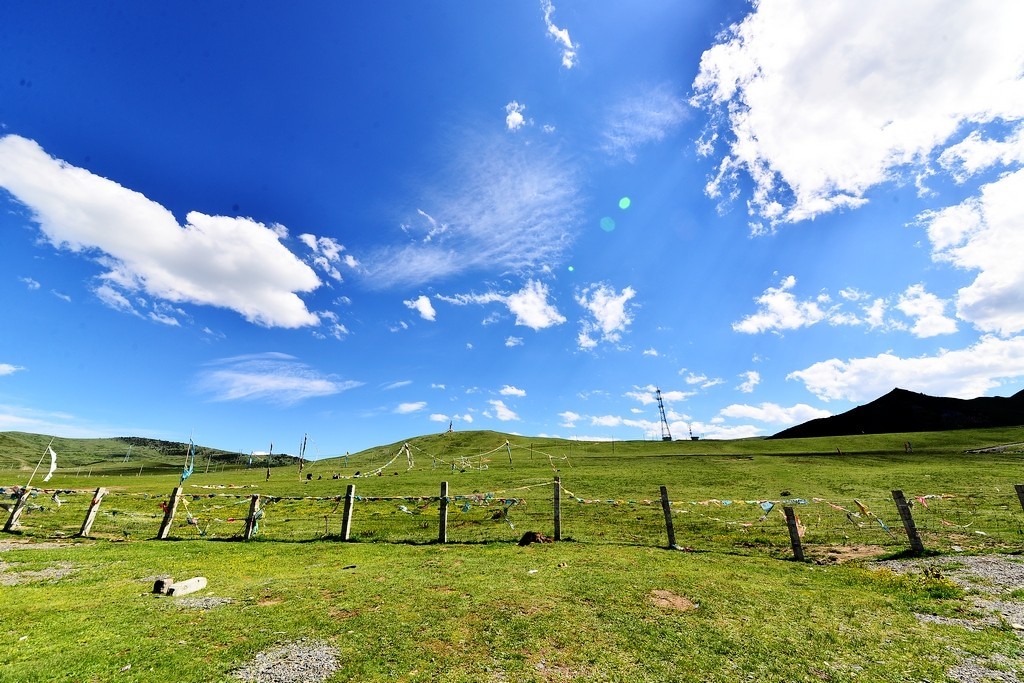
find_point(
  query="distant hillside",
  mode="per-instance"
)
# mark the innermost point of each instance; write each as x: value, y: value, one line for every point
x: 24, y: 450
x: 907, y: 411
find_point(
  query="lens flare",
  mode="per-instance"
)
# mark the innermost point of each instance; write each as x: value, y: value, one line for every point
x: 624, y: 203
x: 607, y: 224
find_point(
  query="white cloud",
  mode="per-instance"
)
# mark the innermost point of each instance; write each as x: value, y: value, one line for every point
x: 406, y: 408
x: 8, y: 369
x: 531, y: 308
x: 514, y: 119
x: 780, y: 310
x: 114, y: 299
x: 512, y: 391
x: 511, y: 342
x: 928, y: 311
x: 773, y: 413
x: 897, y: 79
x: 397, y: 385
x: 966, y: 373
x: 233, y: 263
x: 422, y: 305
x: 164, y: 319
x: 751, y: 378
x: 610, y: 314
x: 30, y: 283
x: 559, y: 35
x: 651, y: 352
x: 271, y: 377
x: 975, y: 153
x: 61, y: 295
x: 506, y: 207
x: 984, y: 234
x: 327, y: 254
x: 569, y: 419
x: 641, y: 119
x: 502, y: 412
x: 439, y: 417
x: 645, y: 395
x: 529, y: 305
x: 437, y: 386
x: 331, y: 323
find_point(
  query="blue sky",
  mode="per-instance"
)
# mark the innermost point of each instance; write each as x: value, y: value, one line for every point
x: 246, y: 222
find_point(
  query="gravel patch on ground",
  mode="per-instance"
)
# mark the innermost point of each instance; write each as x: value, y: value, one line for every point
x: 53, y: 573
x: 208, y: 602
x: 992, y: 578
x: 300, y: 661
x: 29, y: 545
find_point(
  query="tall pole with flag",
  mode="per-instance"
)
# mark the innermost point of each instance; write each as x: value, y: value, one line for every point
x: 53, y: 463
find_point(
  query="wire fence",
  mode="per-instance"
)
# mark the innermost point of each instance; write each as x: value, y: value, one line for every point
x: 827, y: 528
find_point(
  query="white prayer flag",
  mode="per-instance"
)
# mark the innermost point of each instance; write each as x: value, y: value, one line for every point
x: 53, y: 464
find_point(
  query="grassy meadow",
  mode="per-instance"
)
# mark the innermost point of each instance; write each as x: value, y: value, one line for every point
x: 610, y: 602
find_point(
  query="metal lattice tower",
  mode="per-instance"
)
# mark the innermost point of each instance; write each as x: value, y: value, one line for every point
x: 666, y: 435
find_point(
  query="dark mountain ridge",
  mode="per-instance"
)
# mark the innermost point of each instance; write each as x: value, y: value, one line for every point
x: 908, y: 411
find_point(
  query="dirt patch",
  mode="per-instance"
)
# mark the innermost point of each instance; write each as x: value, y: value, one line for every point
x: 846, y: 553
x: 268, y: 602
x: 669, y: 600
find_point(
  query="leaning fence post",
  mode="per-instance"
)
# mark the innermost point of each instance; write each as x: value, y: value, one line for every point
x: 19, y: 507
x: 442, y: 532
x: 346, y: 517
x: 666, y: 507
x: 558, y: 508
x: 908, y: 522
x: 250, y: 521
x: 172, y: 507
x: 94, y: 507
x: 794, y: 533
x: 1020, y: 493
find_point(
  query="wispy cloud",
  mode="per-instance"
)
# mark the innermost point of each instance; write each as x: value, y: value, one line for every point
x: 529, y: 305
x: 506, y: 207
x: 406, y: 408
x: 228, y: 262
x: 397, y: 385
x: 9, y: 369
x: 559, y: 35
x: 643, y: 118
x: 271, y: 377
x: 508, y: 390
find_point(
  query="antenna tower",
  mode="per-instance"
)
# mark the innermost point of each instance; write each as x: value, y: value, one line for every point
x: 666, y: 435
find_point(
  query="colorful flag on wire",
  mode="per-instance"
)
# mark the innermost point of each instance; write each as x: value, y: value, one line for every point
x: 53, y: 464
x: 190, y: 461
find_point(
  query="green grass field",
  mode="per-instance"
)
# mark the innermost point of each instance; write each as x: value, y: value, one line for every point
x: 608, y: 603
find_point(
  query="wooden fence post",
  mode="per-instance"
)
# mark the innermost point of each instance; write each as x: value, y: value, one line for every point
x: 346, y: 517
x: 666, y: 507
x: 794, y: 533
x: 908, y: 522
x: 442, y: 532
x: 558, y: 508
x: 19, y: 507
x: 250, y: 521
x: 1020, y: 493
x: 94, y: 507
x: 172, y: 507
